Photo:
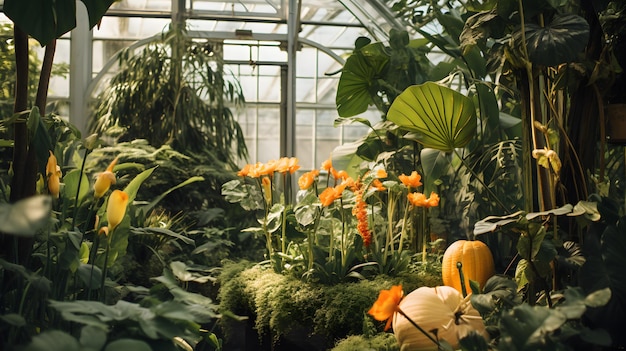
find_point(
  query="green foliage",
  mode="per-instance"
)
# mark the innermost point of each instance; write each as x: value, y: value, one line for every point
x: 174, y: 92
x: 375, y: 74
x: 441, y: 118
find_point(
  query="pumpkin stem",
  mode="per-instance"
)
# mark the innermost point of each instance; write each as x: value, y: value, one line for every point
x: 459, y: 266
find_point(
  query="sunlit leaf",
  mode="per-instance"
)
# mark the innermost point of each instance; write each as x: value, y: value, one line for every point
x: 442, y: 118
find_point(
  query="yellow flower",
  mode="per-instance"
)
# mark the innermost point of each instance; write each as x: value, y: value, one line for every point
x: 53, y: 172
x: 412, y: 181
x: 386, y: 304
x: 116, y: 208
x: 104, y: 180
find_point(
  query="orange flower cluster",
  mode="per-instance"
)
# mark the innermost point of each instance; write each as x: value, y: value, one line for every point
x: 420, y: 200
x: 283, y: 165
x: 386, y: 305
x: 360, y: 212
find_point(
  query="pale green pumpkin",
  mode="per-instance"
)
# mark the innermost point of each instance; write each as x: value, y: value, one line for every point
x: 441, y: 308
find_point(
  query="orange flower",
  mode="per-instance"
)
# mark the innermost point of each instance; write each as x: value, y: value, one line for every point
x: 360, y: 212
x: 245, y: 170
x: 386, y: 305
x: 287, y: 164
x: 376, y: 183
x: 330, y: 194
x: 420, y: 200
x: 327, y: 165
x: 381, y: 173
x: 104, y: 180
x: 53, y: 172
x: 116, y: 208
x: 307, y: 179
x: 412, y: 181
x: 268, y: 168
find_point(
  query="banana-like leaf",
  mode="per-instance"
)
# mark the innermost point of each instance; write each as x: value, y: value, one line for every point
x: 46, y: 20
x: 440, y: 117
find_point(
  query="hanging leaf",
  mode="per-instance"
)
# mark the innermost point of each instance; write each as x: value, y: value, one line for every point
x: 440, y: 117
x: 50, y: 19
x: 357, y: 78
x: 559, y: 42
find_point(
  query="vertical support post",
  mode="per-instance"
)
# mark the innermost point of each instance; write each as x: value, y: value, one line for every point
x: 81, y: 54
x: 293, y: 28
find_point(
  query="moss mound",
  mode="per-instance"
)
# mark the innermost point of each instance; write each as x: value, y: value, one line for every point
x: 281, y: 305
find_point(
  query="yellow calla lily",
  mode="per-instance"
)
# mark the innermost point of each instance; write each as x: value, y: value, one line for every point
x: 104, y: 180
x: 116, y: 208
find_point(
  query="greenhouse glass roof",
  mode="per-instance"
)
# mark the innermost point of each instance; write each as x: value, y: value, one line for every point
x: 285, y: 53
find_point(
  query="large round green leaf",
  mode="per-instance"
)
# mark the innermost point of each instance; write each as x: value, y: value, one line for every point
x: 442, y: 118
x: 356, y: 83
x: 561, y: 41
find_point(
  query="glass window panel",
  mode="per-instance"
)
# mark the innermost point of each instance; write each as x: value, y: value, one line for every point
x: 269, y: 89
x: 327, y: 90
x: 305, y: 90
x: 306, y: 63
x: 249, y: 87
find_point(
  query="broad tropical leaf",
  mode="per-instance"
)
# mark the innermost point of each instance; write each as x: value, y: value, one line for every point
x: 357, y: 79
x: 559, y: 42
x: 442, y: 118
x: 46, y: 20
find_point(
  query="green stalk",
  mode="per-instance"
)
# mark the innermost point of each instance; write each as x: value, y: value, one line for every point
x: 480, y: 180
x: 404, y: 225
x: 425, y: 233
x: 92, y: 259
x: 459, y: 266
x: 105, y: 268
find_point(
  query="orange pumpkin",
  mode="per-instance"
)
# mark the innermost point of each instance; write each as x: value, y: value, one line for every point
x: 476, y: 259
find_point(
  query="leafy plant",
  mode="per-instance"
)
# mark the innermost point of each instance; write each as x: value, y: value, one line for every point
x: 173, y: 92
